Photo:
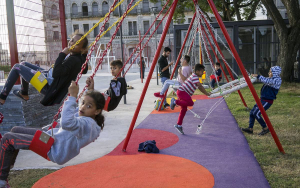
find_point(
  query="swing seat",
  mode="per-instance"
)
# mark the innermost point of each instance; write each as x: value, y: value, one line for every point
x: 42, y: 143
x: 106, y: 103
x: 212, y: 77
x: 38, y: 81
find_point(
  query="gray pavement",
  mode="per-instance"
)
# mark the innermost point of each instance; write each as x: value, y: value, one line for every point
x: 117, y: 123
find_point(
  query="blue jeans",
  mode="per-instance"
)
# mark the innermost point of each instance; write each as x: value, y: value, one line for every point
x: 26, y: 71
x: 163, y: 79
x: 256, y: 114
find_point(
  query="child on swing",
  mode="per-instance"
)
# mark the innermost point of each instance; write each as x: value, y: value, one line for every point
x: 53, y: 84
x: 183, y: 73
x: 77, y: 128
x: 185, y: 92
x: 117, y: 87
x: 218, y: 73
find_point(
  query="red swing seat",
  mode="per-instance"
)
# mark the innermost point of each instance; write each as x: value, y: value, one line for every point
x: 42, y: 142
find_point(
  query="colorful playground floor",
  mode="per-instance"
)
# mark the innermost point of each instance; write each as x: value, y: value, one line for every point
x: 217, y: 157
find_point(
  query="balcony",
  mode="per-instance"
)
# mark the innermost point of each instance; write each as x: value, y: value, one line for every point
x: 87, y: 14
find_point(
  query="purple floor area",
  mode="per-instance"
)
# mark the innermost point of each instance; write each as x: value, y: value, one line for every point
x: 220, y: 147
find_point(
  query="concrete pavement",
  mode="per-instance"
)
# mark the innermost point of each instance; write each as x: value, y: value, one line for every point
x: 117, y: 123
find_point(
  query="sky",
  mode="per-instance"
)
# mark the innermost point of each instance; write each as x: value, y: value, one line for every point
x: 29, y: 27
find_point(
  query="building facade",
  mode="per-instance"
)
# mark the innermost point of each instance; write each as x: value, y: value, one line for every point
x: 84, y: 14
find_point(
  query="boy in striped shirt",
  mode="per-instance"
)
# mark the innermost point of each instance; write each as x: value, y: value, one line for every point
x: 185, y: 92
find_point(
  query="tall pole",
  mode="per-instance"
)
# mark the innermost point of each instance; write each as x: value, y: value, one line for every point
x: 156, y: 51
x: 179, y: 56
x: 157, y: 54
x: 11, y: 27
x: 121, y: 40
x: 243, y: 70
x: 141, y: 62
x: 62, y: 20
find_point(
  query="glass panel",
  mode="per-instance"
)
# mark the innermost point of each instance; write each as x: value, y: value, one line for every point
x: 160, y: 27
x: 105, y: 28
x: 264, y: 34
x: 75, y: 27
x: 246, y: 35
x: 146, y: 8
x: 146, y: 26
x: 96, y: 31
x: 55, y: 35
x: 85, y: 9
x: 53, y: 11
x: 134, y: 28
x: 158, y: 5
x: 246, y: 52
x: 130, y: 28
x: 85, y: 28
x: 95, y: 9
x: 105, y: 8
x: 74, y: 9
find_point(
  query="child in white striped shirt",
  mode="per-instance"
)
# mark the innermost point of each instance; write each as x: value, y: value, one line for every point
x: 185, y: 92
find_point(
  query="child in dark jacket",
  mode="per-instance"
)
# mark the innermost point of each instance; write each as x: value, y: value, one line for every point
x: 267, y: 95
x: 53, y: 83
x: 77, y: 128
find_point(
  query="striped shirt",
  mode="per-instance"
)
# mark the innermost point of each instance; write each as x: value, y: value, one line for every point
x: 190, y: 84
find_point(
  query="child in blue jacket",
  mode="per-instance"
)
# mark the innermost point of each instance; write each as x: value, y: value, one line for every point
x: 268, y: 94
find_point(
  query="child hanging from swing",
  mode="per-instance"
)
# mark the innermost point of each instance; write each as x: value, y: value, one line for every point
x: 77, y: 128
x: 117, y: 87
x: 53, y: 84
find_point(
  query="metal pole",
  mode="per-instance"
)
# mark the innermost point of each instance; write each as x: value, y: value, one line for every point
x: 11, y: 27
x: 141, y: 63
x: 156, y: 51
x: 62, y: 20
x: 179, y: 56
x: 121, y: 40
x: 242, y: 68
x: 157, y: 54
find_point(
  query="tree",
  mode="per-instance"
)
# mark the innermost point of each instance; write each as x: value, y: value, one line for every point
x: 289, y: 36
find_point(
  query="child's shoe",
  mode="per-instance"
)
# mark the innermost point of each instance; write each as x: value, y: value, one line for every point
x: 158, y: 95
x: 179, y: 129
x: 4, y: 184
x: 247, y: 130
x: 173, y: 104
x: 263, y: 132
x: 166, y: 105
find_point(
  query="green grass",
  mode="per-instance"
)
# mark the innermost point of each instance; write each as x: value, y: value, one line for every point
x: 280, y: 170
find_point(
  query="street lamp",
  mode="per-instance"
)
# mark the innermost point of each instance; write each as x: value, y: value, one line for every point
x: 154, y: 12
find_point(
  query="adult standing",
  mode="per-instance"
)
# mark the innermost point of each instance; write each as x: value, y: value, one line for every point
x: 142, y: 68
x: 164, y: 65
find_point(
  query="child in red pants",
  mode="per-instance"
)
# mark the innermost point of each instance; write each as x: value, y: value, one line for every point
x: 185, y: 92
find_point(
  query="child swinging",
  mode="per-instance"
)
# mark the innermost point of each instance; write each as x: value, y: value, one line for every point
x: 77, y: 128
x: 53, y: 84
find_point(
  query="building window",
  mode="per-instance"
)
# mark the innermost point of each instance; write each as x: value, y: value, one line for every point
x: 132, y: 28
x: 146, y: 26
x: 85, y: 28
x: 146, y: 8
x: 76, y: 27
x: 105, y: 28
x: 105, y: 8
x: 85, y: 9
x: 55, y: 35
x: 53, y: 11
x: 95, y: 9
x: 158, y: 5
x: 189, y: 20
x: 74, y: 9
x: 133, y: 11
x: 96, y: 30
x: 160, y: 27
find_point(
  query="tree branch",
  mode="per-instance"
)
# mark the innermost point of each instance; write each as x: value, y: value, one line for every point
x: 253, y: 10
x: 246, y: 5
x: 237, y: 10
x: 293, y: 11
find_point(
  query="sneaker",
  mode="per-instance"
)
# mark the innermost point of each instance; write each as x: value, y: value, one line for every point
x: 4, y: 184
x: 263, y: 132
x: 166, y: 105
x: 179, y: 128
x: 158, y: 95
x: 172, y: 106
x: 247, y: 130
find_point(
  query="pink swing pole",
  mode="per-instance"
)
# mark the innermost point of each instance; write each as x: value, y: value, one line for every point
x: 242, y: 68
x: 222, y: 55
x: 179, y: 56
x: 157, y: 54
x: 141, y: 65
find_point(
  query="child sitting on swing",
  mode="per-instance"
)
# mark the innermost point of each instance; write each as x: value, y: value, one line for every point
x: 218, y: 73
x: 117, y: 87
x: 77, y: 128
x: 53, y: 83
